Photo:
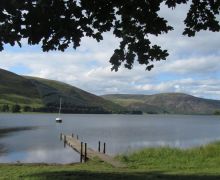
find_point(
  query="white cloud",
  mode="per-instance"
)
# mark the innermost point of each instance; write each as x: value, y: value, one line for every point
x: 208, y: 88
x: 194, y: 65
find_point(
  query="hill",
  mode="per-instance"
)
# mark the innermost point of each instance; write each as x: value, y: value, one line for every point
x: 17, y: 89
x: 43, y: 95
x: 173, y: 103
x: 50, y: 91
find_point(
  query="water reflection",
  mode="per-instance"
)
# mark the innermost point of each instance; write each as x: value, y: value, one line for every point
x: 6, y: 130
x: 41, y: 156
x: 3, y: 149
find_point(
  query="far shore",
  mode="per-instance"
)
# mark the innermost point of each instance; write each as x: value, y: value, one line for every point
x: 109, y: 113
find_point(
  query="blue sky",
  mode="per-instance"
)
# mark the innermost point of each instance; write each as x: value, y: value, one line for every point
x: 193, y: 65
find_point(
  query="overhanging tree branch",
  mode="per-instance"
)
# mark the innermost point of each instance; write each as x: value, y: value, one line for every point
x: 59, y: 24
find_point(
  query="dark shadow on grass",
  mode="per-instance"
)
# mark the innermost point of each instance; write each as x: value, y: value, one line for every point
x: 84, y: 175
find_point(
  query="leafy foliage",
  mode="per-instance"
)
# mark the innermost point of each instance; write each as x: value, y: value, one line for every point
x: 4, y: 108
x: 217, y: 112
x: 15, y: 108
x: 58, y: 24
x: 27, y: 109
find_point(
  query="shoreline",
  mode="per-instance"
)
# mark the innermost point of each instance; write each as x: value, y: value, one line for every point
x: 126, y: 154
x: 109, y: 114
x: 199, y: 163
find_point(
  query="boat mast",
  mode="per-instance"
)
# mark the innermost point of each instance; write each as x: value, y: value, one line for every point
x: 60, y: 107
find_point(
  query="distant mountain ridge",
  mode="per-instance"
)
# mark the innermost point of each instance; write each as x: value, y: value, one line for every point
x: 172, y: 103
x: 44, y: 94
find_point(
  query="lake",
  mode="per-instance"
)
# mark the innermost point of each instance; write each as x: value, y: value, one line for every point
x: 122, y: 134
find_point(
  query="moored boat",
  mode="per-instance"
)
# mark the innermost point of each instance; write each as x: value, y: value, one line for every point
x: 59, y: 119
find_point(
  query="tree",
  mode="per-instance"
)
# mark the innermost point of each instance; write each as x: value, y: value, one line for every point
x: 217, y: 112
x: 27, y: 109
x: 57, y: 24
x: 5, y: 108
x: 15, y: 108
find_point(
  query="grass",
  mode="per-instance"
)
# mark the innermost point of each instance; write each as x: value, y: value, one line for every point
x: 152, y: 163
x: 11, y: 99
x: 201, y: 159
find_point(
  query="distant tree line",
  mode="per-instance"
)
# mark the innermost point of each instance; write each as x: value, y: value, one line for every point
x: 68, y: 109
x: 15, y: 108
x: 131, y: 112
x: 52, y: 108
x: 10, y: 108
x: 217, y: 112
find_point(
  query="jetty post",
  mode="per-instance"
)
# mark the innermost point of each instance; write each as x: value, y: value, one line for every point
x: 85, y: 153
x: 89, y: 153
x: 64, y: 141
x: 104, y: 148
x: 81, y: 152
x: 99, y: 146
x: 60, y: 136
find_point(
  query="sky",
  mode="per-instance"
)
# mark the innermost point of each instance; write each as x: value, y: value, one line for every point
x: 192, y: 67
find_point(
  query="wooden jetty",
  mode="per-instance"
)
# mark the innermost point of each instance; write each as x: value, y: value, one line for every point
x: 87, y: 153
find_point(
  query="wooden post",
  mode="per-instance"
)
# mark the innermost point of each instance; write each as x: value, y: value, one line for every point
x: 81, y: 152
x: 64, y: 141
x: 85, y: 154
x: 72, y: 135
x: 104, y: 148
x: 99, y: 146
x: 77, y: 137
x: 60, y: 136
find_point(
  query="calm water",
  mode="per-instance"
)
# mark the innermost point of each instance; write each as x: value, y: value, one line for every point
x: 122, y: 133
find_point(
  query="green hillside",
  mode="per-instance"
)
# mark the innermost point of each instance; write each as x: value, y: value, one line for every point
x: 173, y: 103
x: 17, y: 89
x: 50, y: 92
x: 43, y: 95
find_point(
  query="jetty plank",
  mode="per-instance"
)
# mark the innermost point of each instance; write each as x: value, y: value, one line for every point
x: 76, y: 145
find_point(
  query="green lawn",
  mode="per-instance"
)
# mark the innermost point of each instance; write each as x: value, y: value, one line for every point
x: 152, y: 163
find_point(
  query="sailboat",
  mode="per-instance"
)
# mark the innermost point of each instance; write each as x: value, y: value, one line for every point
x: 59, y: 119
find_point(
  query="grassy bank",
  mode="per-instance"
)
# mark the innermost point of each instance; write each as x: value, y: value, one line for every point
x: 152, y: 163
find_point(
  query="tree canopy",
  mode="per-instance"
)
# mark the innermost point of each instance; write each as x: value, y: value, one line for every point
x: 59, y: 24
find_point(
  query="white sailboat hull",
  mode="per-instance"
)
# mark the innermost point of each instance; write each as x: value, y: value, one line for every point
x: 58, y: 119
